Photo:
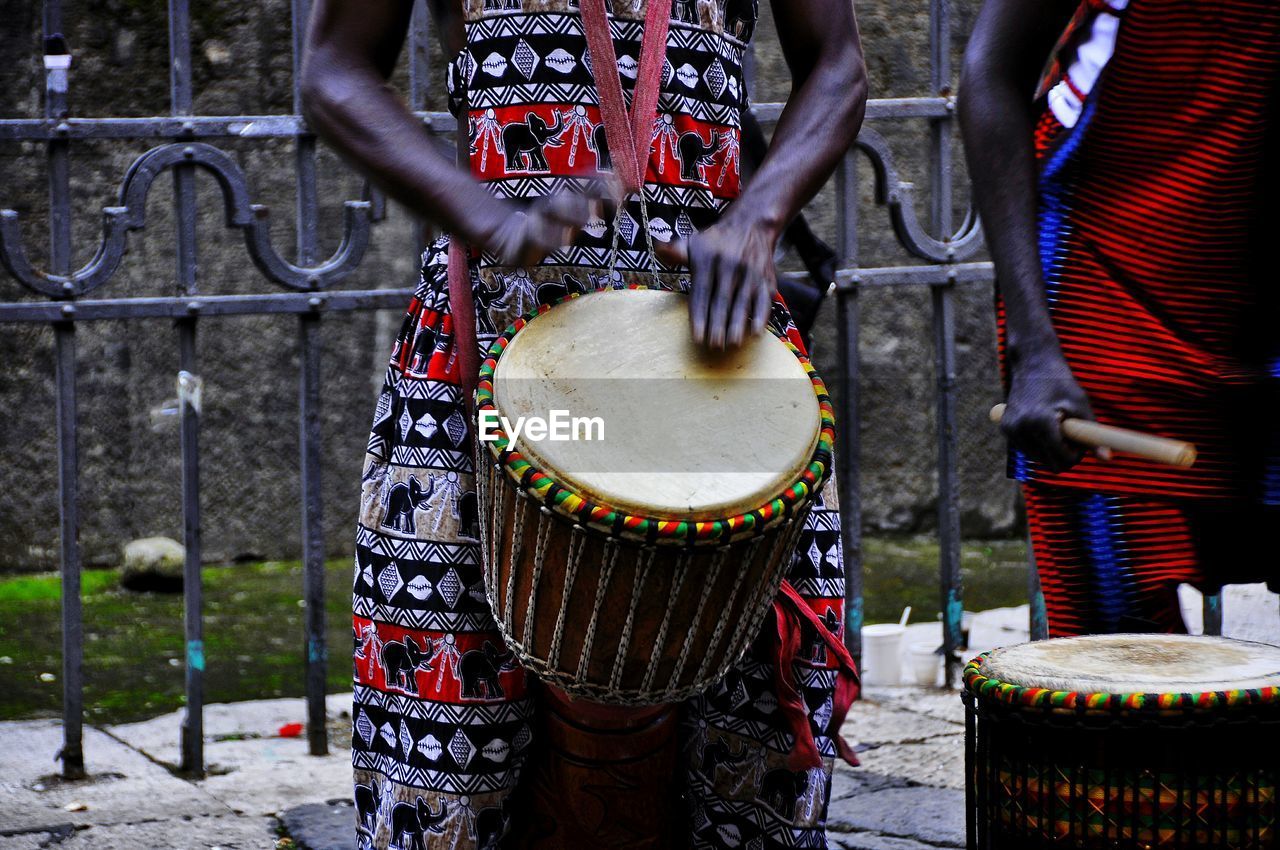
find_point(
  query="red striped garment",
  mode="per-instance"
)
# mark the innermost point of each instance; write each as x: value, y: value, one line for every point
x: 1155, y: 202
x: 1150, y: 207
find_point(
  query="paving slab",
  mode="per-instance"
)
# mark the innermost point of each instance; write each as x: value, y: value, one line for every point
x: 938, y: 762
x: 874, y: 841
x: 252, y: 770
x: 849, y: 782
x: 123, y: 784
x: 226, y: 832
x: 894, y: 723
x: 927, y: 815
x: 938, y: 703
x: 322, y: 826
x: 160, y: 737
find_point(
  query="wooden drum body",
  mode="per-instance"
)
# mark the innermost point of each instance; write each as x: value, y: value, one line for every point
x: 1124, y: 741
x: 636, y: 569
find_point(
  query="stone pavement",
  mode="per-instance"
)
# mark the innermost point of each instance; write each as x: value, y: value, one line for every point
x: 907, y: 795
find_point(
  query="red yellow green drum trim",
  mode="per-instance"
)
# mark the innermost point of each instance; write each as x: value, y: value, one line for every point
x: 1017, y: 696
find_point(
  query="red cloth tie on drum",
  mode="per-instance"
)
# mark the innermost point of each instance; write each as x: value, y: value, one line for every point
x: 790, y: 613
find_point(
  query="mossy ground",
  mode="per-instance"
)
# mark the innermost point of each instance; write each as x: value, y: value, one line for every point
x: 133, y: 642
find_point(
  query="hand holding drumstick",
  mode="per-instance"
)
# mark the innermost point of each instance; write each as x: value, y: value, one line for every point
x: 1091, y: 434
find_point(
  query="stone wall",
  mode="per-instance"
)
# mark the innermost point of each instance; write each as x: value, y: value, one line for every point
x: 129, y: 440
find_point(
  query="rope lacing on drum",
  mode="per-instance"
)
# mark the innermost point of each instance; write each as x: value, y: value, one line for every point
x: 653, y: 268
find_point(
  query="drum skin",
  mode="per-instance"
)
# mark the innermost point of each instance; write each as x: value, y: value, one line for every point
x: 1096, y: 769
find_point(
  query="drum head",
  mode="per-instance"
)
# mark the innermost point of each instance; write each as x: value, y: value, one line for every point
x: 1136, y: 663
x: 686, y: 433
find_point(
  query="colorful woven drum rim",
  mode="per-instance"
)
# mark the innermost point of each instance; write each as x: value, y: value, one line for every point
x: 605, y: 519
x: 1017, y: 696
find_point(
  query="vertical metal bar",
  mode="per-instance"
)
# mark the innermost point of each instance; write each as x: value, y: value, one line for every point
x: 189, y: 395
x: 944, y: 345
x: 309, y: 419
x: 1213, y: 613
x: 944, y: 364
x: 420, y: 70
x: 848, y: 374
x: 57, y: 62
x: 420, y: 74
x: 1039, y: 615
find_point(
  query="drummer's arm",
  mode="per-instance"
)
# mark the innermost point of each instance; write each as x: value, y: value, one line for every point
x: 351, y: 50
x: 1005, y: 57
x: 732, y: 262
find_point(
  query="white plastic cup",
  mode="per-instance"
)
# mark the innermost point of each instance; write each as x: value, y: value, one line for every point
x: 882, y: 654
x: 924, y: 661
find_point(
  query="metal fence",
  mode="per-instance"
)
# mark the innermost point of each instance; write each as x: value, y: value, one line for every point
x: 186, y: 143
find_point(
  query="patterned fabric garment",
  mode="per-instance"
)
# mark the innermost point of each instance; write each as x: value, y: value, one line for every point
x: 443, y: 715
x: 1154, y: 195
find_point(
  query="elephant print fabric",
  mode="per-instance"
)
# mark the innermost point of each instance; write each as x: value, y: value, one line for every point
x: 444, y: 716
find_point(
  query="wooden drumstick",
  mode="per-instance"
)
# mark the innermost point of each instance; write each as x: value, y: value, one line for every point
x: 1095, y: 436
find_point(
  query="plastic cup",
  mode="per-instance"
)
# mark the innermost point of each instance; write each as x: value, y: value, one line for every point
x: 882, y: 654
x: 923, y: 659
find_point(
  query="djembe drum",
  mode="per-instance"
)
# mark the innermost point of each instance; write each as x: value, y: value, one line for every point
x: 631, y: 568
x: 1124, y: 741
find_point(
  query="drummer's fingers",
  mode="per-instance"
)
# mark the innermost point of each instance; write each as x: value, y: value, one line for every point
x: 728, y: 278
x: 745, y: 303
x: 700, y: 282
x: 740, y: 313
x: 762, y: 307
x: 567, y: 215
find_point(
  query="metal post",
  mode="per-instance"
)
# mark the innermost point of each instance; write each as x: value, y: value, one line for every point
x: 944, y: 344
x: 57, y: 64
x: 189, y: 397
x: 420, y: 72
x: 848, y: 373
x: 1213, y: 613
x: 1039, y: 619
x: 307, y: 206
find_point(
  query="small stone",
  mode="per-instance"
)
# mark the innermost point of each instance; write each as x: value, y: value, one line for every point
x: 153, y: 564
x: 47, y: 677
x: 6, y: 659
x: 76, y: 806
x: 217, y: 52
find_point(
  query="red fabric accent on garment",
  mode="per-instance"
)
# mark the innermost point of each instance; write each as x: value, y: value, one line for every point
x: 790, y: 611
x: 439, y: 679
x: 662, y: 163
x: 463, y: 315
x: 628, y: 133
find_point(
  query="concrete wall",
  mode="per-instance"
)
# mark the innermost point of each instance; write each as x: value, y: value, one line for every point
x: 129, y: 445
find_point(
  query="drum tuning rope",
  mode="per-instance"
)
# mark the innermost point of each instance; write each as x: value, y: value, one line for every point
x: 648, y: 238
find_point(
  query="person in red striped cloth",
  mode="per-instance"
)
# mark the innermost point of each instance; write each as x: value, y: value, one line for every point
x: 1127, y: 206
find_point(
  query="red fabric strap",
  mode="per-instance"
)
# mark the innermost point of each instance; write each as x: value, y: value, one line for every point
x: 462, y: 315
x: 790, y: 610
x: 629, y: 135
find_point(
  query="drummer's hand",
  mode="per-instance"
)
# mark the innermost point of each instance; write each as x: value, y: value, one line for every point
x: 550, y: 223
x: 732, y: 280
x: 1042, y: 393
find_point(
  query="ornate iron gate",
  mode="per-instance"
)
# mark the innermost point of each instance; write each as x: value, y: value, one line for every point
x: 311, y: 289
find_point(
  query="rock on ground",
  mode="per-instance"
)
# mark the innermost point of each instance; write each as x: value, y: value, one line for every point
x: 153, y: 563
